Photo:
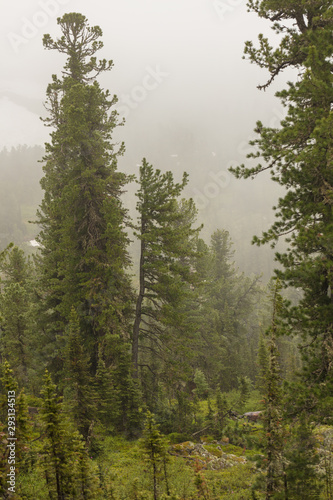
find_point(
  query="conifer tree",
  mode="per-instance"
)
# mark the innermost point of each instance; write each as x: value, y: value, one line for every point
x: 79, y: 397
x: 8, y: 383
x: 167, y: 243
x: 201, y: 383
x: 244, y: 384
x: 23, y: 431
x: 16, y: 325
x: 222, y: 312
x: 154, y: 448
x: 263, y: 364
x: 55, y: 459
x: 222, y: 411
x: 299, y: 156
x: 273, y: 463
x: 67, y: 470
x: 16, y: 430
x: 301, y: 456
x: 84, y: 254
x: 107, y: 395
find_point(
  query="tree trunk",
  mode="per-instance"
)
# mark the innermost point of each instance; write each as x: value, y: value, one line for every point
x: 138, y: 311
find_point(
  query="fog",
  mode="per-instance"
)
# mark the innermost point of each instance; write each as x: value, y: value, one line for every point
x: 189, y: 99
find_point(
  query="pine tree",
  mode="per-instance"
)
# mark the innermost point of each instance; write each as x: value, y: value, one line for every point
x: 273, y: 463
x: 222, y: 313
x: 107, y: 405
x: 273, y: 423
x: 79, y: 397
x: 299, y: 157
x: 222, y: 411
x: 16, y: 340
x: 201, y: 383
x: 67, y: 470
x: 55, y: 460
x: 84, y: 254
x: 244, y: 384
x: 23, y: 431
x: 263, y: 364
x: 154, y: 448
x: 167, y: 243
x: 9, y: 390
x: 301, y: 456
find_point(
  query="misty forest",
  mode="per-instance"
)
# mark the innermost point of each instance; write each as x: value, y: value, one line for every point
x: 144, y: 353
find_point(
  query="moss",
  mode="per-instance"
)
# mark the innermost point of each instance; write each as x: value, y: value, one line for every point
x: 214, y: 450
x: 230, y: 449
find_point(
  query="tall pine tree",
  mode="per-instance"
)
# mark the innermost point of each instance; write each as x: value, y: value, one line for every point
x: 83, y: 240
x: 299, y: 156
x: 167, y: 239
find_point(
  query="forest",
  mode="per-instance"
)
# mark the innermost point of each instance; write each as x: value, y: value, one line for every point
x: 137, y: 361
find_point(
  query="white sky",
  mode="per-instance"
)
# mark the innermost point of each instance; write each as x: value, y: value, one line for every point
x: 199, y: 43
x: 203, y: 107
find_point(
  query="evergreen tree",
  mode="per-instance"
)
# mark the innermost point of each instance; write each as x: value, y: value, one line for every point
x: 244, y: 384
x: 83, y: 240
x: 222, y: 411
x: 79, y: 397
x: 7, y: 429
x: 273, y: 462
x: 167, y: 243
x: 302, y: 458
x: 154, y: 449
x: 107, y: 395
x: 201, y: 383
x: 263, y: 364
x: 67, y: 470
x: 16, y: 340
x: 54, y: 457
x: 23, y: 431
x: 224, y: 314
x: 14, y: 427
x: 128, y: 399
x: 299, y: 157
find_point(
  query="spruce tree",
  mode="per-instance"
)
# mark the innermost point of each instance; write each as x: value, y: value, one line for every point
x: 83, y: 240
x: 299, y: 156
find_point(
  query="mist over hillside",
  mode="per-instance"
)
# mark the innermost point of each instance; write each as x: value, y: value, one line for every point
x: 243, y: 208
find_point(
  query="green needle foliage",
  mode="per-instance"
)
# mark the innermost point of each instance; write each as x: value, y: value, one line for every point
x: 167, y: 238
x: 302, y: 479
x: 79, y: 397
x: 299, y: 156
x: 273, y: 461
x: 155, y: 450
x: 67, y: 470
x: 83, y: 240
x: 16, y: 339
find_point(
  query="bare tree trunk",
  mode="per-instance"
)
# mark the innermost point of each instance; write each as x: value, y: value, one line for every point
x: 138, y: 312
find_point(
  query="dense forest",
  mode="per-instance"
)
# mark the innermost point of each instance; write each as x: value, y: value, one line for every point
x: 165, y: 372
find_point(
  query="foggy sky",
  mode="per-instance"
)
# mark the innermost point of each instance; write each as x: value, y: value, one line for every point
x: 189, y: 99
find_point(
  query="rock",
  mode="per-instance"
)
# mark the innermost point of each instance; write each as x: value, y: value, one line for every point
x: 199, y: 453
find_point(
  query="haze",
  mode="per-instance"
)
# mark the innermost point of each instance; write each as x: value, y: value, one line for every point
x: 189, y: 100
